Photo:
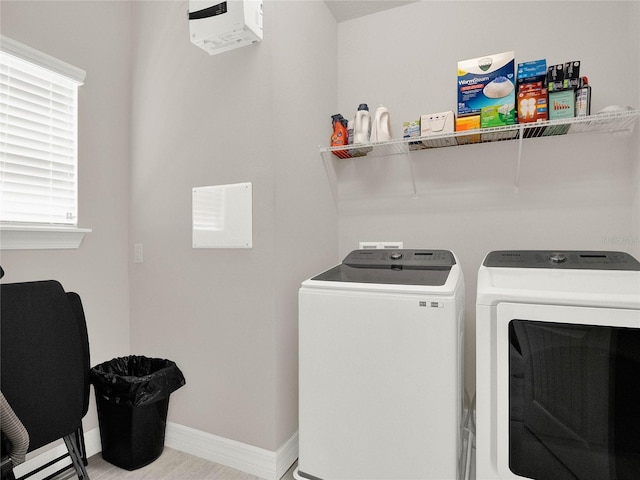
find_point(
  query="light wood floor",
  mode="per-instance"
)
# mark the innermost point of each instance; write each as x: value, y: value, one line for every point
x: 172, y: 465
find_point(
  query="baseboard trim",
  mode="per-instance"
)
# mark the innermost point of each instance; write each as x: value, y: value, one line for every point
x: 92, y: 445
x: 247, y: 458
x: 286, y: 455
x: 92, y: 442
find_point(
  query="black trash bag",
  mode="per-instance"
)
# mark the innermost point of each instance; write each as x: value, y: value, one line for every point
x: 136, y: 380
x: 132, y: 398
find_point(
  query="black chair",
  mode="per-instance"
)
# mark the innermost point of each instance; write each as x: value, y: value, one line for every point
x: 45, y: 368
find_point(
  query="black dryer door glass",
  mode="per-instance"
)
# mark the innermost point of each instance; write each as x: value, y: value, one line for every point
x: 574, y: 401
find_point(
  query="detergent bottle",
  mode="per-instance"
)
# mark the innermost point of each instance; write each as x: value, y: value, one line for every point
x: 340, y: 136
x: 381, y: 131
x: 362, y: 125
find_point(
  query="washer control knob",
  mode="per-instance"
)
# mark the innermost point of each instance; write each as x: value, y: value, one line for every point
x: 558, y: 258
x: 395, y: 255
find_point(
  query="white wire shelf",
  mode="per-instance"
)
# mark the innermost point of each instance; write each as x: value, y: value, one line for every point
x: 609, y: 122
x: 376, y: 149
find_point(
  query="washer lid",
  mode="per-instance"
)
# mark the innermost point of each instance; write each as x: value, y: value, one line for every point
x: 399, y: 267
x: 572, y: 260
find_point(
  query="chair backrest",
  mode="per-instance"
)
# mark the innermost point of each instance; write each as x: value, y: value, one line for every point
x: 45, y: 358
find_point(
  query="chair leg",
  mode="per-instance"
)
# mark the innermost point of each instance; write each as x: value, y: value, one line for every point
x: 7, y: 470
x: 8, y: 475
x: 81, y: 445
x: 76, y: 457
x: 6, y: 466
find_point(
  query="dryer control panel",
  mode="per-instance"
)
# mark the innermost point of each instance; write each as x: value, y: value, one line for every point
x: 577, y: 260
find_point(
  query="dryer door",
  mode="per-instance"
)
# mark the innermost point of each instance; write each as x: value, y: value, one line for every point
x: 568, y: 384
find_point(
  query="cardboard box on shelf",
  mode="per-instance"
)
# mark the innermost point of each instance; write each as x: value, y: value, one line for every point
x: 532, y: 103
x: 498, y: 115
x: 562, y: 104
x: 412, y: 129
x: 471, y: 122
x: 533, y: 71
x: 555, y: 77
x: 487, y: 81
x: 571, y: 75
x: 438, y: 124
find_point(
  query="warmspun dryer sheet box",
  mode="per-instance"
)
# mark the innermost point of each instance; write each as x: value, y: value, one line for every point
x: 486, y: 82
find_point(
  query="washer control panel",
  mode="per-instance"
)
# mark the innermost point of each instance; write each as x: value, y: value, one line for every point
x: 579, y: 260
x: 380, y: 258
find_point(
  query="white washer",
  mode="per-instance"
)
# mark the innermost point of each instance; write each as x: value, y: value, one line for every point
x: 558, y: 366
x: 380, y: 348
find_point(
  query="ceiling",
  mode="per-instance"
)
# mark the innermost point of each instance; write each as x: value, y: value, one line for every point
x: 343, y: 10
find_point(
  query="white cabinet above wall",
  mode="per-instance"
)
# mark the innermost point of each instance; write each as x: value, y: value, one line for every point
x: 618, y: 122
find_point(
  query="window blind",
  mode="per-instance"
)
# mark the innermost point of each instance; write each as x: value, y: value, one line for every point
x: 38, y: 139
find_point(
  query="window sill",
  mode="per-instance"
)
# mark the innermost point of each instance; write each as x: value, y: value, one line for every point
x: 14, y: 237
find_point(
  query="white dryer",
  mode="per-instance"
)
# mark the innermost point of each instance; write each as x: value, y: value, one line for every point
x: 558, y: 366
x: 380, y: 348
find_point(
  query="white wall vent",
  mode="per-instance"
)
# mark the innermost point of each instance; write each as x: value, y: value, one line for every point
x: 385, y: 245
x: 219, y: 27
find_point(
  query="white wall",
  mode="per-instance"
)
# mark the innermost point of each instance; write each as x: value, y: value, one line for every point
x: 257, y: 114
x: 93, y: 36
x: 576, y: 192
x: 306, y: 227
x: 159, y: 116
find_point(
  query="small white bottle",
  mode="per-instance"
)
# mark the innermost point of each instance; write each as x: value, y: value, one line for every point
x: 362, y: 125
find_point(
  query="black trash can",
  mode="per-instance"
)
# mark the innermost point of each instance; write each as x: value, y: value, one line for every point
x: 132, y: 396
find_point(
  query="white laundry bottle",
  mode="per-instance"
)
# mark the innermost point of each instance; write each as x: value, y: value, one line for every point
x: 362, y: 125
x: 361, y: 130
x: 381, y: 131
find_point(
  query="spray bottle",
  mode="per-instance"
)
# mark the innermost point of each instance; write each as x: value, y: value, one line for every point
x: 340, y: 136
